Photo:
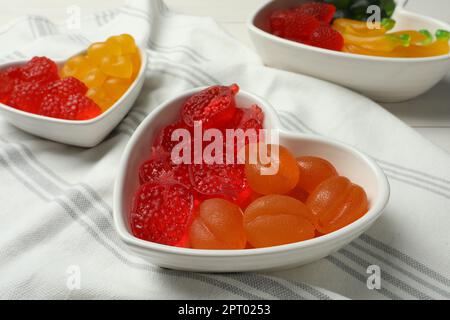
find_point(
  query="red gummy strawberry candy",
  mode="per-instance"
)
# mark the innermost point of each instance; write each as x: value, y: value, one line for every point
x: 73, y: 107
x: 327, y: 38
x: 214, y: 107
x: 278, y: 20
x: 162, y: 169
x: 26, y: 96
x: 162, y: 213
x: 164, y: 139
x: 85, y: 107
x: 219, y: 180
x: 323, y: 12
x: 62, y: 88
x: 246, y: 119
x: 8, y: 79
x: 40, y: 69
x: 299, y: 26
x: 252, y: 118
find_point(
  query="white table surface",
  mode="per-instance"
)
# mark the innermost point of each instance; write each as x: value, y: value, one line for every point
x: 428, y: 114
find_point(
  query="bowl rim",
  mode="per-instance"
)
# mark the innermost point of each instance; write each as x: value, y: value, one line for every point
x: 292, y: 44
x: 346, y: 232
x: 112, y: 109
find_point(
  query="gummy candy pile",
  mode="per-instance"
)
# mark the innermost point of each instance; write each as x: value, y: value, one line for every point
x: 86, y: 86
x: 108, y: 69
x: 237, y: 206
x: 37, y: 88
x: 309, y: 24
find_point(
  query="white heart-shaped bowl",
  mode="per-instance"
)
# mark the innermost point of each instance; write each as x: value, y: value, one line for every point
x: 379, y: 78
x: 86, y: 133
x: 348, y: 161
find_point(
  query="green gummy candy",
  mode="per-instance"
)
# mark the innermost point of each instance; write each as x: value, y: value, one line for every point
x: 428, y: 35
x: 388, y: 23
x: 406, y: 39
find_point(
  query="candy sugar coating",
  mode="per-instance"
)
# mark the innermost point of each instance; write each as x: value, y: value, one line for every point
x: 337, y: 202
x: 269, y: 171
x: 40, y: 69
x: 116, y: 87
x: 277, y: 219
x: 220, y: 180
x: 77, y: 67
x: 313, y: 171
x: 218, y: 225
x: 160, y: 168
x: 100, y: 97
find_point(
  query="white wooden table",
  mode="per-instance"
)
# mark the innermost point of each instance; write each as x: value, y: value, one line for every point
x: 428, y: 114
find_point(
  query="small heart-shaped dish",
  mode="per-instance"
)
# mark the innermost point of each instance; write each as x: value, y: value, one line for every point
x: 86, y: 133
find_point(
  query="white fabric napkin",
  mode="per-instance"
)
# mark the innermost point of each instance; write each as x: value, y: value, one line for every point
x: 55, y: 207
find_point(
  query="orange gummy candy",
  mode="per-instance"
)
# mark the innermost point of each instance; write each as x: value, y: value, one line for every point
x: 282, y: 170
x: 117, y: 66
x: 313, y: 171
x: 100, y: 97
x: 116, y: 87
x: 337, y: 202
x: 94, y: 78
x: 77, y: 67
x: 107, y: 69
x: 277, y: 219
x: 218, y: 225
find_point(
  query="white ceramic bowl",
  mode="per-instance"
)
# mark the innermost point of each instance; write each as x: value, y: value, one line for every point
x: 382, y: 79
x: 348, y: 161
x: 87, y: 133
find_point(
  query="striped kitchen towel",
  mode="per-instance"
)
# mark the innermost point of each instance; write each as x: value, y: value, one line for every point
x: 56, y: 200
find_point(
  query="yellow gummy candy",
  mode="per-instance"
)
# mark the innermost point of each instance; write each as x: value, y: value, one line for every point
x: 98, y: 50
x: 437, y: 48
x: 136, y: 61
x: 76, y: 66
x: 116, y: 87
x: 100, y: 97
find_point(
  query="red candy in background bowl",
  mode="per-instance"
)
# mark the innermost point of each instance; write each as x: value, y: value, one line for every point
x: 154, y: 199
x: 35, y: 99
x: 37, y: 88
x: 307, y: 23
